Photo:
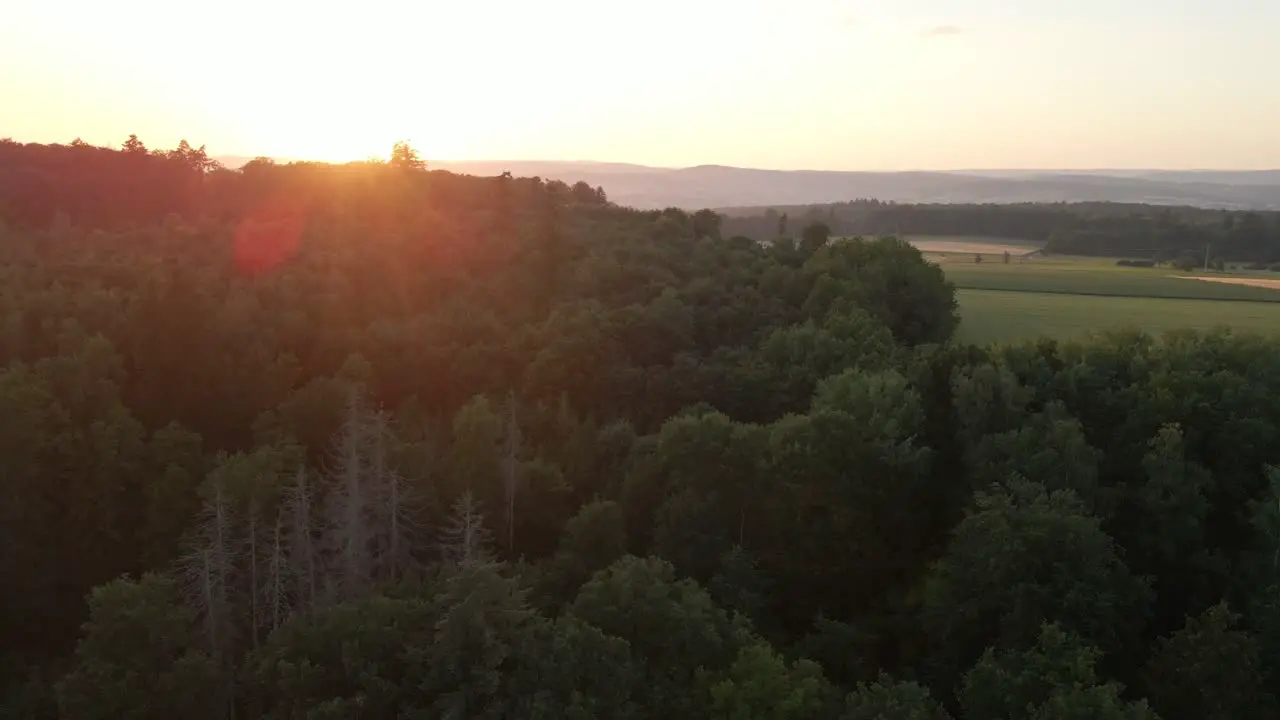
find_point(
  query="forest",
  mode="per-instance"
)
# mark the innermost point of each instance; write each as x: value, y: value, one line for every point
x: 1088, y: 228
x: 380, y: 441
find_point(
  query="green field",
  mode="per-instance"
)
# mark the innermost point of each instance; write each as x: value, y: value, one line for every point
x: 989, y: 316
x: 1093, y: 276
x: 1066, y: 298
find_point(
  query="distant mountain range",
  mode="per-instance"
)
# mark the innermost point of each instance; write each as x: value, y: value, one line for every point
x: 717, y: 186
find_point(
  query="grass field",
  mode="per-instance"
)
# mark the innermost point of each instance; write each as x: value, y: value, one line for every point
x: 1092, y: 276
x: 1068, y: 297
x: 1000, y: 316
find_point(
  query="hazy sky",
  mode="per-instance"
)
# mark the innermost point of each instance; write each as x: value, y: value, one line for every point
x: 833, y: 84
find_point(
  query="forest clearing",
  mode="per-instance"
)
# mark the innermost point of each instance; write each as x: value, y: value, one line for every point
x: 1068, y: 297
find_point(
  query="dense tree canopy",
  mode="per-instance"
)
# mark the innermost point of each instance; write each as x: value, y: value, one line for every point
x: 382, y: 441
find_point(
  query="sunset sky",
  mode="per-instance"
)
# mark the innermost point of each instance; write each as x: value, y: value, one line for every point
x: 829, y: 84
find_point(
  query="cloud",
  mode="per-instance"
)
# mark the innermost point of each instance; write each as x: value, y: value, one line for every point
x: 943, y: 31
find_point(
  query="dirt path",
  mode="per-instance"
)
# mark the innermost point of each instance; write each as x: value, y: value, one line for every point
x: 1269, y: 283
x: 973, y: 248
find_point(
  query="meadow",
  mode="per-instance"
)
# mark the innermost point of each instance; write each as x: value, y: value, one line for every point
x: 1068, y: 297
x: 1101, y: 276
x: 1000, y: 316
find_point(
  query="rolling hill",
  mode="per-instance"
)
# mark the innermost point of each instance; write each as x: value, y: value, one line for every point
x: 718, y: 186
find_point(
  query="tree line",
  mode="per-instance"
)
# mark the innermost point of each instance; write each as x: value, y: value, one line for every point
x: 386, y: 442
x: 1157, y: 232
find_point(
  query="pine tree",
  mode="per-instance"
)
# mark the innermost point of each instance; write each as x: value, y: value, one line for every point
x: 134, y: 146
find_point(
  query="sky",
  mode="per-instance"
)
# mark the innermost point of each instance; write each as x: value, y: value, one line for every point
x: 787, y: 84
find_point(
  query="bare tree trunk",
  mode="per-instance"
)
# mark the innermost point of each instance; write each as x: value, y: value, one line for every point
x: 209, y: 600
x: 253, y: 571
x: 353, y: 520
x: 347, y: 530
x: 207, y: 569
x: 277, y: 575
x: 464, y: 541
x: 386, y: 482
x: 394, y: 544
x: 221, y: 557
x: 511, y: 471
x: 304, y: 519
x: 394, y: 505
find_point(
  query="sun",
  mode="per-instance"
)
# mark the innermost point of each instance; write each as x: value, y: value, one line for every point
x: 358, y: 148
x: 358, y: 129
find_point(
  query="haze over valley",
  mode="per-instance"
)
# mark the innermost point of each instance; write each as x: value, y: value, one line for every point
x: 725, y: 187
x: 715, y: 186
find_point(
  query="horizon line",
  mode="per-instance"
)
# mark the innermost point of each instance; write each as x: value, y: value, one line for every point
x: 960, y: 170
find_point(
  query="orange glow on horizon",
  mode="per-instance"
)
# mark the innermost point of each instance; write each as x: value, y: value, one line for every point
x: 804, y: 84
